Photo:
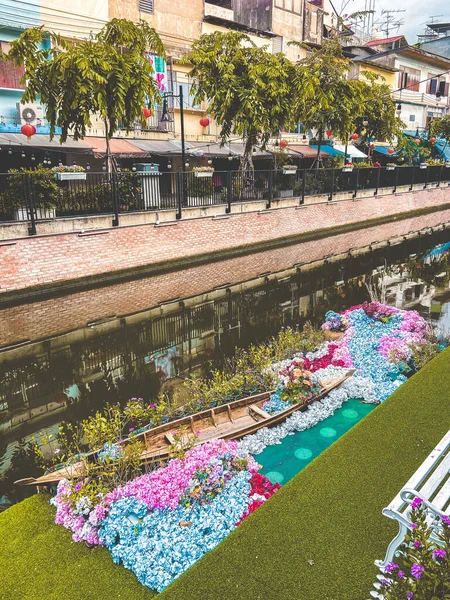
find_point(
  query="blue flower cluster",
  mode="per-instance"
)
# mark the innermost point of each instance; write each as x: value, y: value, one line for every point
x: 159, y: 545
x: 363, y: 345
x: 110, y: 451
x: 275, y: 404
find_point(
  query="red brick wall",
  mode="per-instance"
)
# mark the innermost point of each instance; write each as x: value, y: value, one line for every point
x: 51, y: 317
x: 45, y: 259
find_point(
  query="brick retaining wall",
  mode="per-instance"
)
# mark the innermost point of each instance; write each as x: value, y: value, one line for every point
x: 28, y: 262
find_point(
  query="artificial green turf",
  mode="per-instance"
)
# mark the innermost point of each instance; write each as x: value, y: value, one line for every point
x: 329, y: 514
x: 39, y: 561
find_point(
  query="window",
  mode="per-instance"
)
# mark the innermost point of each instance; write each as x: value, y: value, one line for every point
x: 277, y: 44
x: 10, y: 75
x: 186, y: 83
x: 412, y: 118
x: 437, y: 84
x: 409, y: 78
x: 146, y: 6
x: 293, y: 6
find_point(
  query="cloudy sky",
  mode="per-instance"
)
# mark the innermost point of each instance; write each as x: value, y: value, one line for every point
x: 417, y: 13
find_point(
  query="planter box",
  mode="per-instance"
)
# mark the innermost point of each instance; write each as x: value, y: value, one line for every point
x: 423, y: 166
x: 289, y: 171
x: 347, y: 169
x: 20, y: 214
x: 332, y: 336
x: 203, y: 173
x: 67, y: 176
x: 390, y: 168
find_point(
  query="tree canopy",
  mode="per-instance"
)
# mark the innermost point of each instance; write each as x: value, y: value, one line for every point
x: 109, y: 75
x: 248, y: 89
x: 440, y: 127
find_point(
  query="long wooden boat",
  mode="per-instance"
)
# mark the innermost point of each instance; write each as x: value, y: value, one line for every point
x: 228, y: 421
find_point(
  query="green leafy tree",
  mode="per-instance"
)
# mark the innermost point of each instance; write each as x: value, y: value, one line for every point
x: 379, y: 109
x: 248, y: 89
x: 109, y: 75
x: 325, y: 98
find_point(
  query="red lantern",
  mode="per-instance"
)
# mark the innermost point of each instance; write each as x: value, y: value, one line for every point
x: 372, y: 146
x: 146, y: 112
x: 354, y: 136
x: 417, y: 141
x: 432, y: 140
x: 28, y: 130
x: 391, y: 150
x: 329, y: 132
x: 204, y: 122
x: 284, y: 144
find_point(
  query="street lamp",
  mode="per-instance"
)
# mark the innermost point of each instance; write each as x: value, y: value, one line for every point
x: 167, y: 118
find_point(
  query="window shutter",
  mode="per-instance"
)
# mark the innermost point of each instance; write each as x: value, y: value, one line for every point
x: 445, y: 93
x: 442, y: 88
x: 433, y: 86
x: 146, y: 6
x: 277, y: 44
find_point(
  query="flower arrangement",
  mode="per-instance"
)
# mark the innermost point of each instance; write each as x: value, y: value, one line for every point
x: 335, y: 322
x: 378, y: 311
x: 203, y: 170
x: 68, y: 169
x: 295, y: 383
x: 159, y: 524
x: 422, y: 566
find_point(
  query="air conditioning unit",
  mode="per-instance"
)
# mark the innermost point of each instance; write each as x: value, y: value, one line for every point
x: 29, y: 113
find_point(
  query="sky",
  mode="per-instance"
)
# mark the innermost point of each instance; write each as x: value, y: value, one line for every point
x: 417, y: 13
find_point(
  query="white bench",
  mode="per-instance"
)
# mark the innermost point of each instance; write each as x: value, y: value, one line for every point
x: 431, y: 482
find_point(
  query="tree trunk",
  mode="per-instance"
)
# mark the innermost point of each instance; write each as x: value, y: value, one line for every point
x: 318, y: 161
x: 108, y: 149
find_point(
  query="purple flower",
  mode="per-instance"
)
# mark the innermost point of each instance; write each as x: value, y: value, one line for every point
x: 401, y: 574
x: 413, y: 525
x: 151, y: 406
x: 417, y: 544
x: 78, y: 486
x: 410, y: 595
x: 390, y: 567
x: 385, y: 582
x: 439, y: 553
x: 415, y: 503
x: 446, y: 519
x: 131, y: 428
x: 417, y: 570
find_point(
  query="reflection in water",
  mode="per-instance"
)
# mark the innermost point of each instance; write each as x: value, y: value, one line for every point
x: 78, y: 368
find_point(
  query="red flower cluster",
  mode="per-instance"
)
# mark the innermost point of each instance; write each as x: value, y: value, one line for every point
x: 324, y: 361
x: 263, y: 487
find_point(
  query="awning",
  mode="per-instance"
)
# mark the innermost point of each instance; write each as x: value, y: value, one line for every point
x: 443, y: 147
x: 308, y: 151
x: 119, y: 148
x: 159, y: 146
x: 384, y: 150
x: 216, y: 150
x: 351, y: 151
x: 43, y: 141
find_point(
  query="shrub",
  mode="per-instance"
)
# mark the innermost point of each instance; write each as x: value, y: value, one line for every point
x: 43, y: 184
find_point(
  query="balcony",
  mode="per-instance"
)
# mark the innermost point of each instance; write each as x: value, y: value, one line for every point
x: 218, y: 12
x: 420, y: 98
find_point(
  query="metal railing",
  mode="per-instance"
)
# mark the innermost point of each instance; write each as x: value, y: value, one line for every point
x: 44, y: 195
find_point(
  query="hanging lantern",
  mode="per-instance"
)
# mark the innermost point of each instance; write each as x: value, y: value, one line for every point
x: 354, y: 136
x: 284, y: 144
x: 365, y: 121
x: 391, y: 150
x: 372, y: 146
x: 146, y: 112
x: 417, y: 141
x: 432, y: 140
x: 28, y: 130
x: 329, y: 132
x: 204, y: 122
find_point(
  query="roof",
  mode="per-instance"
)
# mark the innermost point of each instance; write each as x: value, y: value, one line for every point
x: 119, y: 147
x: 384, y: 150
x: 43, y: 141
x: 351, y: 151
x: 308, y: 151
x: 216, y: 149
x: 388, y: 40
x: 159, y: 146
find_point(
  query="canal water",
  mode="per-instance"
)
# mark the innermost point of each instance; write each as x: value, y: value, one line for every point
x: 63, y: 357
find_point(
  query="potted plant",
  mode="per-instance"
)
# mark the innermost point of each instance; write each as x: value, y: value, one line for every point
x: 290, y: 170
x: 423, y: 165
x: 203, y: 171
x: 64, y: 172
x: 334, y: 326
x: 42, y: 192
x: 347, y: 168
x: 390, y: 166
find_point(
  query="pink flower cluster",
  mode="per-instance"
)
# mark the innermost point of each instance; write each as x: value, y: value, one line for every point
x: 324, y: 361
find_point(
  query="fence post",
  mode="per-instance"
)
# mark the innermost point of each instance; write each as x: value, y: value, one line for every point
x: 29, y: 202
x: 330, y: 197
x: 396, y: 180
x: 378, y: 180
x: 413, y: 178
x: 229, y: 191
x: 115, y: 199
x: 303, y: 186
x: 356, y: 183
x: 426, y: 179
x: 440, y: 176
x: 180, y: 184
x: 269, y: 201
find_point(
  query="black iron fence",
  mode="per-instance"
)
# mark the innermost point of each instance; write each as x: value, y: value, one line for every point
x: 46, y: 195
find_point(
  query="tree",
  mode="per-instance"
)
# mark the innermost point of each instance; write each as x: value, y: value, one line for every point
x: 109, y: 75
x: 440, y: 127
x: 378, y: 107
x: 248, y: 89
x: 325, y: 98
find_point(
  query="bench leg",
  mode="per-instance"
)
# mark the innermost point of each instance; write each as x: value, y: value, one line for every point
x: 393, y: 547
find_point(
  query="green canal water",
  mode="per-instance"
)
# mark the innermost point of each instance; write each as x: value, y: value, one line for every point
x: 281, y: 462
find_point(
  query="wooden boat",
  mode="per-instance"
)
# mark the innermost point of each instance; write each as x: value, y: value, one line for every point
x: 228, y: 422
